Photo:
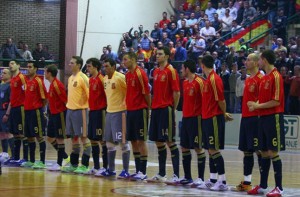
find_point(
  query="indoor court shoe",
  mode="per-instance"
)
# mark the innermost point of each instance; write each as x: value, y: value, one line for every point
x: 140, y: 176
x: 108, y: 173
x: 257, y: 190
x: 100, y: 171
x: 27, y: 164
x: 19, y: 162
x: 124, y: 175
x: 185, y: 181
x: 219, y: 186
x: 174, y: 180
x: 68, y: 169
x: 66, y: 161
x: 206, y: 185
x: 276, y: 192
x: 81, y: 170
x: 54, y: 167
x: 197, y: 182
x: 38, y: 165
x: 92, y: 171
x: 158, y: 179
x: 242, y: 187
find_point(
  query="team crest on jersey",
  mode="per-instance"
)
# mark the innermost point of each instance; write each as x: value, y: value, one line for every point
x: 95, y: 87
x: 267, y: 85
x: 205, y: 89
x: 133, y: 83
x: 113, y: 86
x: 252, y: 88
x: 191, y: 92
x: 16, y: 84
x: 75, y: 84
x: 155, y: 77
x: 163, y: 78
x: 31, y: 88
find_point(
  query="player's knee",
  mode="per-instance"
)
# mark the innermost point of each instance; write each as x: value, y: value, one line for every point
x: 125, y: 147
x: 110, y: 147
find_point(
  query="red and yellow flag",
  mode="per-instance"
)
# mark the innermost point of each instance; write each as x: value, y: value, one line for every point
x: 297, y: 5
x: 250, y: 32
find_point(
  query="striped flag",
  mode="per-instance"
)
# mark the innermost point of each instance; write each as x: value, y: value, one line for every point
x: 256, y: 29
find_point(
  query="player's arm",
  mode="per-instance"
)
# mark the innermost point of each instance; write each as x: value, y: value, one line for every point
x: 176, y: 96
x: 256, y: 105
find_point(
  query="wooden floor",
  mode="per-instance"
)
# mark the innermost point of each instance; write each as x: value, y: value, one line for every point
x: 27, y: 182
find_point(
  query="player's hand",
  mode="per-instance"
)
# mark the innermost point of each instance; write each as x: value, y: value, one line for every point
x: 251, y: 105
x: 228, y: 117
x: 4, y: 118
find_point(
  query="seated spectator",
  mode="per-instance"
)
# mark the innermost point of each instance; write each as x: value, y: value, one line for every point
x: 25, y: 53
x: 201, y: 21
x: 195, y: 30
x: 164, y: 20
x: 217, y: 62
x: 40, y: 55
x: 184, y: 28
x: 249, y: 13
x: 210, y: 46
x: 165, y: 40
x: 192, y: 21
x: 207, y: 31
x: 165, y: 29
x: 279, y: 46
x: 152, y: 53
x: 141, y: 54
x: 216, y: 23
x: 283, y: 60
x: 104, y: 55
x: 172, y: 50
x: 172, y: 20
x: 222, y: 50
x: 197, y: 47
x: 294, y: 94
x: 280, y: 24
x: 198, y: 12
x: 231, y: 58
x: 111, y: 54
x: 235, y: 89
x: 240, y: 85
x: 221, y: 10
x: 173, y: 32
x: 240, y: 13
x: 236, y: 29
x: 182, y: 38
x: 233, y: 10
x: 241, y: 58
x: 9, y: 51
x: 226, y: 24
x: 180, y: 19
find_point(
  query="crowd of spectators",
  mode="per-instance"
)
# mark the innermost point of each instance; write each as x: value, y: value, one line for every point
x: 194, y: 31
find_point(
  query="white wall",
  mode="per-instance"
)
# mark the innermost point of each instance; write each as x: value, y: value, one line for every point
x: 108, y: 20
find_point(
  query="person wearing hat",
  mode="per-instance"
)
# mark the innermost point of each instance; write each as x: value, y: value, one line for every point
x: 222, y: 50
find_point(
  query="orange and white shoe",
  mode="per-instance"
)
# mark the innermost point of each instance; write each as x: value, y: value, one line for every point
x: 276, y: 192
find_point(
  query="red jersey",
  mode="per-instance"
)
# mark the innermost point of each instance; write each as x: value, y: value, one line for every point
x: 165, y: 82
x: 213, y: 92
x: 137, y: 88
x: 57, y: 97
x: 17, y: 88
x: 271, y: 88
x: 35, y: 93
x: 97, y: 98
x: 192, y: 97
x: 251, y: 94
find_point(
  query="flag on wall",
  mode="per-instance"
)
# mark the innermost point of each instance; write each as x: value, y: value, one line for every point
x: 297, y: 5
x: 256, y: 29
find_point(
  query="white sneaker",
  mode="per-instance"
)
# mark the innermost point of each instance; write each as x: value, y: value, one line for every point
x: 140, y: 176
x: 174, y: 180
x: 219, y: 186
x: 92, y: 171
x: 158, y: 179
x: 206, y: 185
x: 54, y: 167
x: 100, y: 171
x: 198, y: 182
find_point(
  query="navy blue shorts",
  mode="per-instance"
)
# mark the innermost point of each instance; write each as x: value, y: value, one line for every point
x: 137, y: 125
x: 96, y: 124
x: 249, y: 134
x: 191, y: 133
x: 271, y: 134
x: 162, y: 125
x: 4, y: 126
x: 34, y: 123
x: 214, y: 132
x: 57, y: 125
x: 17, y: 120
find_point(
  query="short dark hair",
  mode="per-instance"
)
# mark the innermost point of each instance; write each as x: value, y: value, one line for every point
x: 269, y: 55
x: 191, y: 65
x: 131, y: 55
x: 208, y: 61
x: 16, y: 61
x: 79, y: 60
x: 33, y: 62
x: 52, y: 69
x: 111, y: 61
x: 166, y: 50
x: 95, y: 62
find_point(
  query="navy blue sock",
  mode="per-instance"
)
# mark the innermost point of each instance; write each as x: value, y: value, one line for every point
x: 162, y: 158
x: 265, y: 167
x: 186, y: 162
x: 277, y: 166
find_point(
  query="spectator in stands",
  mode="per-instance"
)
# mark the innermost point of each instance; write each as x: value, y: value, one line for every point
x: 134, y: 38
x: 231, y: 57
x: 272, y: 6
x: 172, y: 20
x: 208, y: 31
x: 182, y: 38
x: 249, y: 13
x: 236, y: 28
x: 216, y: 23
x: 173, y: 32
x: 141, y: 54
x: 197, y: 47
x: 280, y: 24
x: 240, y: 84
x: 240, y: 13
x: 279, y: 46
x: 152, y: 53
x: 226, y: 25
x: 181, y: 17
x: 222, y: 50
x: 192, y: 21
x: 25, y: 53
x: 198, y: 12
x: 156, y: 34
x: 217, y: 62
x: 210, y: 12
x: 233, y: 10
x: 159, y: 44
x: 294, y: 57
x: 164, y: 20
x: 104, y: 55
x: 165, y: 29
x: 111, y: 54
x: 234, y: 75
x: 225, y: 78
x: 195, y: 30
x: 210, y: 46
x: 241, y: 58
x: 9, y: 51
x: 201, y: 21
x: 165, y: 40
x: 181, y: 53
x: 177, y: 11
x: 146, y: 40
x: 40, y: 55
x: 294, y: 94
x: 185, y: 29
x: 286, y: 86
x: 127, y: 39
x: 172, y: 50
x: 221, y: 10
x: 283, y: 60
